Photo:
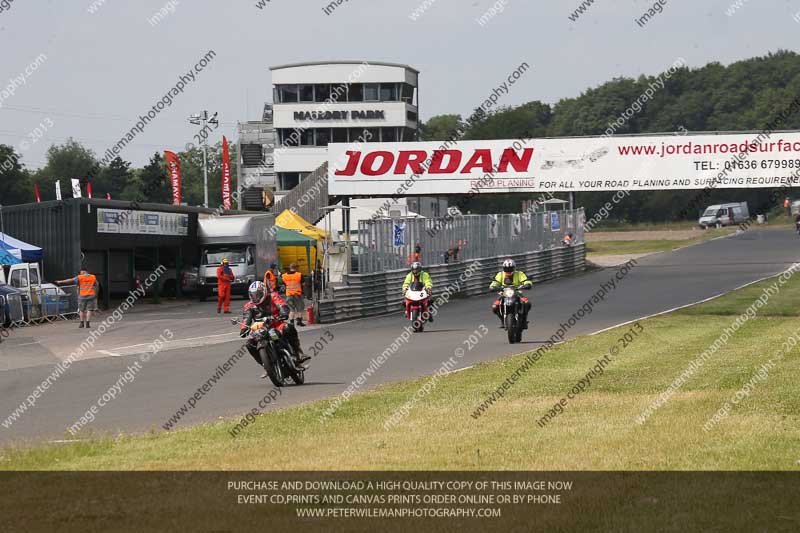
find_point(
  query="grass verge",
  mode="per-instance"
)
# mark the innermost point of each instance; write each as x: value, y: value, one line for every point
x: 597, y: 429
x: 643, y: 246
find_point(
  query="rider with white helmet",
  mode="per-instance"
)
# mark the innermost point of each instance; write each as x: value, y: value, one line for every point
x: 511, y: 277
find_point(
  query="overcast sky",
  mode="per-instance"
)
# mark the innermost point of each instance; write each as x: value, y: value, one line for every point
x: 103, y: 70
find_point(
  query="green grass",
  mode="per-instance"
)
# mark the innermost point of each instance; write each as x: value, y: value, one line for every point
x: 597, y: 429
x: 623, y: 247
x: 633, y: 247
x: 611, y: 225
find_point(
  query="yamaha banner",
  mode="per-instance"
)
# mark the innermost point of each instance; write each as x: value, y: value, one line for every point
x: 226, y: 175
x: 174, y: 168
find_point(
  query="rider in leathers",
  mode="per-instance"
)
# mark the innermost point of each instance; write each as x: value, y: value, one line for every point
x: 265, y: 303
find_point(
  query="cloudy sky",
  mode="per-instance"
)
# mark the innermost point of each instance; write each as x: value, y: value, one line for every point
x: 104, y: 69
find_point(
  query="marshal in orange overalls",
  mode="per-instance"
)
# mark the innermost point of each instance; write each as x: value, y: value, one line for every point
x: 224, y: 287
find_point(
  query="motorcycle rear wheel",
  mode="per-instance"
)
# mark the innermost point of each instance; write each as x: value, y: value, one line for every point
x: 299, y: 375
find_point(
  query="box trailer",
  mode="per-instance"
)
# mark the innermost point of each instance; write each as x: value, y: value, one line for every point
x: 248, y: 242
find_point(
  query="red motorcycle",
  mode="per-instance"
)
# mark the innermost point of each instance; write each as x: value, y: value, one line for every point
x: 417, y: 305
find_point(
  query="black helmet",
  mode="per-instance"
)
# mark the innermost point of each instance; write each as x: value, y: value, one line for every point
x: 509, y: 266
x: 416, y: 267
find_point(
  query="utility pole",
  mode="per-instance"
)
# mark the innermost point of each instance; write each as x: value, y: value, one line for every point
x: 197, y: 120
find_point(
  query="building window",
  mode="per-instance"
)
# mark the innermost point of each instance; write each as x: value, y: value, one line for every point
x: 408, y: 93
x: 323, y: 137
x: 374, y: 135
x: 290, y: 137
x: 388, y: 92
x: 288, y: 93
x: 323, y: 92
x: 389, y: 135
x: 340, y: 135
x: 288, y: 180
x: 356, y: 93
x: 411, y: 116
x: 359, y: 135
x: 307, y: 137
x: 306, y: 93
x: 371, y: 92
x: 339, y: 93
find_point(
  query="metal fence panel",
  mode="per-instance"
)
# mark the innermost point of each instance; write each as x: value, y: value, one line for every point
x: 389, y: 244
x: 68, y: 301
x: 16, y: 310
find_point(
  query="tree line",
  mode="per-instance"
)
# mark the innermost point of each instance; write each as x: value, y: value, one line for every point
x: 745, y: 95
x: 119, y: 178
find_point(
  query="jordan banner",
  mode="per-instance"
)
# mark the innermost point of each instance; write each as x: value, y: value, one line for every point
x: 226, y: 175
x: 641, y: 162
x: 174, y: 168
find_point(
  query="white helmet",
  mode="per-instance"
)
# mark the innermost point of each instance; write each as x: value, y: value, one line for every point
x: 509, y: 265
x: 257, y: 292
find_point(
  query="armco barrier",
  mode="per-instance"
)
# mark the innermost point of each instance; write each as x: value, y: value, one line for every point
x: 375, y: 294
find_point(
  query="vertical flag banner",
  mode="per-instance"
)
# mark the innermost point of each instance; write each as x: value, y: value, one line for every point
x: 36, y: 193
x: 174, y: 168
x: 108, y: 196
x: 555, y: 221
x: 226, y: 175
x: 76, y: 188
x: 89, y: 189
x: 58, y: 190
x: 400, y: 234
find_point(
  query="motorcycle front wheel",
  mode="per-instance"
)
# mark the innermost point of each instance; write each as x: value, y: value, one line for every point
x: 511, y: 327
x: 273, y: 370
x: 416, y: 321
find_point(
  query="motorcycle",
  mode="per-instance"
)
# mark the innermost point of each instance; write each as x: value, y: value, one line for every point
x: 512, y: 311
x: 797, y: 227
x: 276, y: 353
x: 416, y: 297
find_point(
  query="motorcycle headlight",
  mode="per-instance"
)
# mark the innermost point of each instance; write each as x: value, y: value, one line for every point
x: 508, y: 292
x: 274, y: 334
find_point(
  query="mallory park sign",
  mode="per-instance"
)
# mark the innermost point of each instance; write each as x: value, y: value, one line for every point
x: 340, y: 115
x: 653, y: 162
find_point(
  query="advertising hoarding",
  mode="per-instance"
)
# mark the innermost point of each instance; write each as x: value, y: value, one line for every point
x: 656, y: 162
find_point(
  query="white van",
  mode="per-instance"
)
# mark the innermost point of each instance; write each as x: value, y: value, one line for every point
x: 724, y: 215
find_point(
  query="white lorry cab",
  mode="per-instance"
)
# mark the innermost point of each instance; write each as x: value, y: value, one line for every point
x: 724, y: 215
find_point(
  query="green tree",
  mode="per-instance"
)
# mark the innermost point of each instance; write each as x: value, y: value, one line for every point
x: 440, y: 127
x: 155, y: 183
x: 67, y: 161
x: 15, y: 181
